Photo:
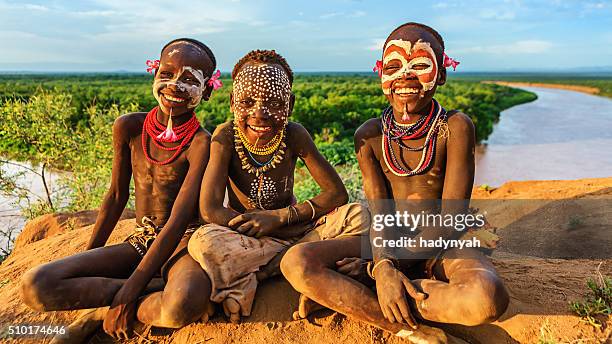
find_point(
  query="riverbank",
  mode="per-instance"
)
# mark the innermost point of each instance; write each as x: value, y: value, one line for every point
x: 562, y: 135
x: 540, y: 289
x: 576, y: 88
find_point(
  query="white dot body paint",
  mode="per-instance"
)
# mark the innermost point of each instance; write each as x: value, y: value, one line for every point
x: 262, y: 195
x: 261, y: 82
x: 426, y: 80
x: 194, y: 91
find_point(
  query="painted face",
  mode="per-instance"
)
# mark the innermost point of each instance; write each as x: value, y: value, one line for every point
x: 261, y: 100
x: 180, y: 82
x: 400, y: 58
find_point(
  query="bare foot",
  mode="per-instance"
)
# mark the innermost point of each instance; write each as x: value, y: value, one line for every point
x: 87, y: 323
x: 424, y: 335
x: 306, y: 307
x: 231, y: 308
x: 210, y: 311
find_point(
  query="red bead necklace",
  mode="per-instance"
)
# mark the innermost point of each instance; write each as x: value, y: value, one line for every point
x: 153, y: 128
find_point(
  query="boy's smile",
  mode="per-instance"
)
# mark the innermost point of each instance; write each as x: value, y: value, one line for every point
x: 410, y: 70
x: 261, y: 100
x: 180, y: 82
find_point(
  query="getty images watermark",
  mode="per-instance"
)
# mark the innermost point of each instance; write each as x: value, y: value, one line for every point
x: 411, y: 222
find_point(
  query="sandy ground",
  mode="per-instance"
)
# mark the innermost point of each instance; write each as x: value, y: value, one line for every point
x: 582, y: 89
x: 540, y: 288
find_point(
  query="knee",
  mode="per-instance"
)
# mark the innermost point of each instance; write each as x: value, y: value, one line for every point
x: 181, y: 310
x: 36, y: 287
x: 299, y: 265
x: 488, y: 300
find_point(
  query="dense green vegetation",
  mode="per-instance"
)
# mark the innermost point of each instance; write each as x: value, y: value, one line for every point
x: 65, y: 121
x: 602, y: 81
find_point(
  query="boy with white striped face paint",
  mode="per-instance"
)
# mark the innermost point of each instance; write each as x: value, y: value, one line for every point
x: 411, y: 74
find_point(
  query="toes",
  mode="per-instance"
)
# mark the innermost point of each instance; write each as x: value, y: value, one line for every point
x: 231, y: 308
x: 296, y: 316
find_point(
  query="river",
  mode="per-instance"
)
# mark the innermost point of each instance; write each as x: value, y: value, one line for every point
x: 561, y: 135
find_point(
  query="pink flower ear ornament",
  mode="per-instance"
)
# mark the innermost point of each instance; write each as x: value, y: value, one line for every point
x: 450, y: 62
x: 378, y: 68
x: 152, y: 66
x: 214, y: 80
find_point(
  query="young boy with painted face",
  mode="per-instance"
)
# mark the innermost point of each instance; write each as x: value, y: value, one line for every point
x: 167, y: 151
x: 254, y: 157
x: 416, y: 152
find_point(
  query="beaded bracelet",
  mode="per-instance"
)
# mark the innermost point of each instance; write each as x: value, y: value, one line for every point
x: 371, y: 273
x: 313, y: 209
x: 297, y: 215
x: 289, y: 215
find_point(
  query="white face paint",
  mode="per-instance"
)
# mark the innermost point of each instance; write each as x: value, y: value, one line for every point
x: 420, y: 55
x: 193, y: 90
x: 263, y: 83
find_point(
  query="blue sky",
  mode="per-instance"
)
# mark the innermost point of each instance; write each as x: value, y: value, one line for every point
x: 332, y: 35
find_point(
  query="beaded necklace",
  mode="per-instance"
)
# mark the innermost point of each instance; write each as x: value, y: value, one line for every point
x: 263, y: 189
x: 276, y: 145
x: 266, y: 149
x: 396, y: 132
x: 153, y: 128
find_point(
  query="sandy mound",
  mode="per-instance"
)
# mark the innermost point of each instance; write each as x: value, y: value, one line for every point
x: 540, y: 288
x: 52, y: 224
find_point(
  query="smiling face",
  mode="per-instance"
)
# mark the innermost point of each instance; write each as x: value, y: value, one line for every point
x: 410, y: 69
x: 261, y: 100
x: 180, y: 81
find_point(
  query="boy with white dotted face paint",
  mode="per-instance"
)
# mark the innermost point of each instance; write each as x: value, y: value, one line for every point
x: 256, y: 154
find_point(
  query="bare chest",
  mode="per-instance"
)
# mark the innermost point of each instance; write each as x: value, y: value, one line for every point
x: 425, y: 185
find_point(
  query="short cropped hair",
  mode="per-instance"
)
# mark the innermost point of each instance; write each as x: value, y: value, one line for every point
x: 197, y: 43
x: 264, y: 56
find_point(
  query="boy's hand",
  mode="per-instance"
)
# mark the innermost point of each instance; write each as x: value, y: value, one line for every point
x: 119, y: 320
x: 258, y: 224
x: 353, y: 267
x: 391, y: 287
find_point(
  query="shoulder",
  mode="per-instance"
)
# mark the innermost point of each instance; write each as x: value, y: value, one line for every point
x: 460, y: 124
x: 224, y: 133
x: 201, y: 137
x: 129, y: 124
x: 297, y: 131
x: 369, y: 129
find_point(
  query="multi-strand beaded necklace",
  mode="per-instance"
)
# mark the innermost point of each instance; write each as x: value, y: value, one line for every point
x: 153, y: 128
x: 393, y: 131
x: 276, y: 146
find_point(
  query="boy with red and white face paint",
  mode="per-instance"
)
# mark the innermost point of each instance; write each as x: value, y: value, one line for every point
x: 415, y: 153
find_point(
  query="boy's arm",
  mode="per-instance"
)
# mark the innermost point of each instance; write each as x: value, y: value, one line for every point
x: 212, y: 193
x: 119, y: 192
x: 374, y: 185
x: 333, y: 193
x: 183, y: 211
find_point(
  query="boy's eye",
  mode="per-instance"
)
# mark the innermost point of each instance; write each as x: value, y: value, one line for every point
x: 275, y: 104
x: 165, y: 75
x: 420, y: 66
x: 192, y: 80
x: 246, y: 102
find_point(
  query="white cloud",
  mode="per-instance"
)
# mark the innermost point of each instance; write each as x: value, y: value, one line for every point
x: 329, y: 15
x: 532, y: 46
x: 497, y: 14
